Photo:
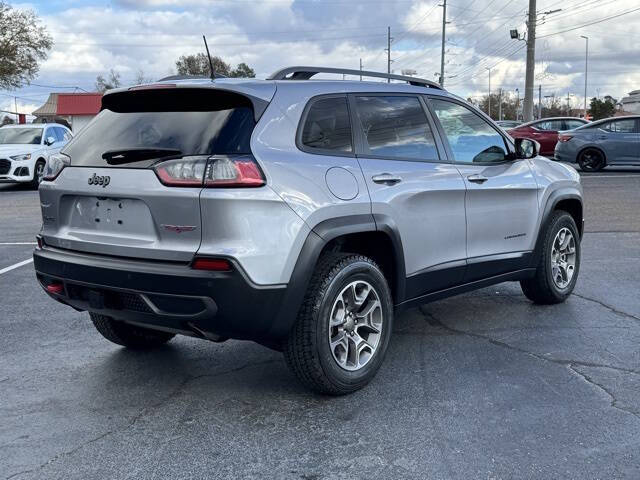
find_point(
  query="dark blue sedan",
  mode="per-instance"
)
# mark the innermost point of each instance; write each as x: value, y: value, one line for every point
x: 612, y: 141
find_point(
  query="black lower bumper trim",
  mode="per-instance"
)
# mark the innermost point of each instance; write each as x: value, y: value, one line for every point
x: 162, y: 295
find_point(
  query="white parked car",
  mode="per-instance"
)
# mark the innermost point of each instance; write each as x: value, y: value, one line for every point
x: 25, y: 149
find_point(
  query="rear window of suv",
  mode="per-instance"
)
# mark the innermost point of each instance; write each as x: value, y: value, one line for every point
x: 189, y: 121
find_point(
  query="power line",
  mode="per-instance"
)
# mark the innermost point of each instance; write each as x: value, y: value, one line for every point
x: 590, y: 23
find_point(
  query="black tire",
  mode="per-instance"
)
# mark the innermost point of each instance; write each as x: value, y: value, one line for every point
x: 307, y: 349
x: 591, y: 160
x: 542, y: 288
x: 127, y: 335
x: 40, y: 164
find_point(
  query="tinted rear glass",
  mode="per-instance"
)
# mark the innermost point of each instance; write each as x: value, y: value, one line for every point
x: 192, y: 121
x: 327, y: 125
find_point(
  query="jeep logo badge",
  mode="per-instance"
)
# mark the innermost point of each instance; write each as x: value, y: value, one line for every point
x: 99, y: 180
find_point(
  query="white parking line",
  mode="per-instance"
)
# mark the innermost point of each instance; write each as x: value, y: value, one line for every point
x: 17, y: 243
x: 610, y: 176
x: 15, y: 265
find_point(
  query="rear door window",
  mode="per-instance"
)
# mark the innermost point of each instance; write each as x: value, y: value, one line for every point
x: 549, y: 125
x: 396, y: 127
x: 621, y: 126
x: 327, y: 126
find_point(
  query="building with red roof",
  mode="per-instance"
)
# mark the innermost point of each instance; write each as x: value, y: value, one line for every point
x: 74, y: 109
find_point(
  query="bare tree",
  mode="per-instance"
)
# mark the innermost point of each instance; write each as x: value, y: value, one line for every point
x: 141, y: 78
x: 23, y: 44
x: 112, y: 80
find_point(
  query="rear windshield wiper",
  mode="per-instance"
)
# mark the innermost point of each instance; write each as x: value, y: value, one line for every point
x: 137, y: 154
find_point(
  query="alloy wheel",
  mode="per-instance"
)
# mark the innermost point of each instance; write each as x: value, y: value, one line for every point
x: 355, y: 325
x: 563, y: 258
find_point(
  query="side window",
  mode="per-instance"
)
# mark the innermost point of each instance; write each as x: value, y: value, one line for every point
x: 59, y: 134
x: 621, y: 126
x: 327, y: 125
x: 571, y: 124
x: 549, y: 125
x: 51, y: 132
x: 66, y: 135
x: 396, y: 127
x: 471, y: 138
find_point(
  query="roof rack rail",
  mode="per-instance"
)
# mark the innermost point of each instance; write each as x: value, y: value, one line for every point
x: 305, y: 73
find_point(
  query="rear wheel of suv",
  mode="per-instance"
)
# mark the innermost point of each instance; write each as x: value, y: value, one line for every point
x: 591, y: 160
x: 128, y: 335
x: 343, y: 328
x: 559, y: 263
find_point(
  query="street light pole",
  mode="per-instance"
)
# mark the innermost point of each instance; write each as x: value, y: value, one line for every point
x: 586, y: 71
x: 517, y: 103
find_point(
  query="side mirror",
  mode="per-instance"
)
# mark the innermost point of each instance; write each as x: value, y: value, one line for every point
x: 49, y: 141
x: 526, y: 148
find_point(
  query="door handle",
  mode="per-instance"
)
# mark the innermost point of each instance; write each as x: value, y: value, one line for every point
x: 386, y: 179
x: 477, y: 178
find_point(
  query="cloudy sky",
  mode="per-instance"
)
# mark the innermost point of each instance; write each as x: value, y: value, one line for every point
x: 149, y: 35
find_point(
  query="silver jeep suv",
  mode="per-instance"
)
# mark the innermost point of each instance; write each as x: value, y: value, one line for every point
x: 301, y: 214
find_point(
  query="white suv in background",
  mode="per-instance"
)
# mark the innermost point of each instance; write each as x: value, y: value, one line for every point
x: 25, y: 149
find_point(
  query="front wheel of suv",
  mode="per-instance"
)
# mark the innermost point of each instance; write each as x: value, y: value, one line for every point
x: 558, y: 264
x: 127, y: 335
x: 344, y: 324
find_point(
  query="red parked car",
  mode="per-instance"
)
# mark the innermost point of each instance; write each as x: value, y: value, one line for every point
x: 545, y: 131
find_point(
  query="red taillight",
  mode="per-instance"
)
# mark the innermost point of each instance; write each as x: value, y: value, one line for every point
x: 211, y: 264
x: 213, y: 172
x: 233, y: 172
x: 564, y: 138
x: 56, y: 288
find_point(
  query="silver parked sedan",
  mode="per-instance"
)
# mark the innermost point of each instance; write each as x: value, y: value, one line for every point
x: 612, y: 141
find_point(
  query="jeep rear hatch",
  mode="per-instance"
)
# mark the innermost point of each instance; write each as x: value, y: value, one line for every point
x: 136, y: 171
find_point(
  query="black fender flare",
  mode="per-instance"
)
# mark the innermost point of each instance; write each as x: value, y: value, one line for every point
x: 565, y: 193
x: 316, y: 240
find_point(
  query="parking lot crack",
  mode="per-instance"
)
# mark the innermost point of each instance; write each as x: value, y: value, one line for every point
x: 559, y: 361
x: 608, y: 307
x: 614, y: 400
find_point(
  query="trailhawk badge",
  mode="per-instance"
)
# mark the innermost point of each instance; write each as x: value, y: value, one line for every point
x: 99, y: 180
x: 179, y: 228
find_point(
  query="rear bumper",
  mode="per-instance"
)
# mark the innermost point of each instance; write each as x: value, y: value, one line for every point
x: 169, y: 296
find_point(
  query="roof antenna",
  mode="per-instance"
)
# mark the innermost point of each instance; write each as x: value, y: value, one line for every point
x: 213, y: 75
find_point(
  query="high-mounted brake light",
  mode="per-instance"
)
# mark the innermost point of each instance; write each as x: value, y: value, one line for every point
x: 564, y: 138
x: 211, y: 264
x: 153, y: 86
x: 212, y: 172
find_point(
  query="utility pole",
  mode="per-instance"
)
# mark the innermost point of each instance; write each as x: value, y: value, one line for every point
x: 15, y: 103
x: 517, y: 103
x: 361, y: 69
x: 389, y: 52
x: 444, y: 27
x: 527, y: 112
x: 586, y: 71
x: 500, y: 104
x: 568, y: 104
x: 489, y: 107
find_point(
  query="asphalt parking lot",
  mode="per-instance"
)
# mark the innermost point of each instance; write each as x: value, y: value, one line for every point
x: 484, y: 385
